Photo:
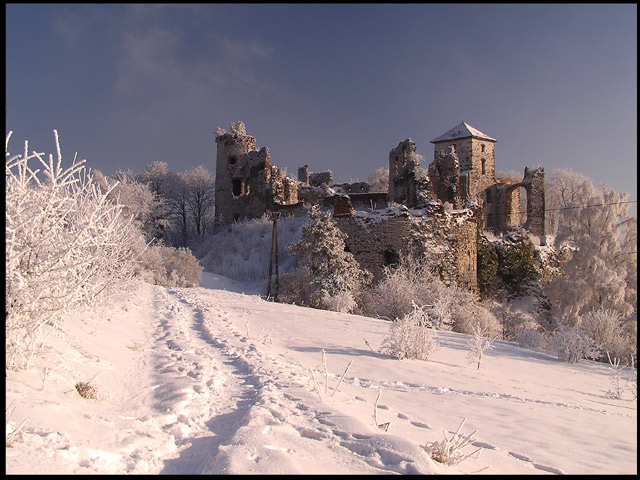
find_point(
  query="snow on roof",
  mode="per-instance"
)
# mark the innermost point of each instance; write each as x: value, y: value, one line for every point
x: 462, y: 130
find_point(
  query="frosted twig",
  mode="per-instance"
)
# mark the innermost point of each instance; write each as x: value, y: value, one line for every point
x: 326, y: 372
x: 315, y: 382
x: 383, y: 426
x: 342, y: 378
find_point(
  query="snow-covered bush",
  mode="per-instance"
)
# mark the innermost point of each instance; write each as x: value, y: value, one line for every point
x: 449, y: 450
x: 412, y: 336
x: 67, y: 246
x: 170, y: 267
x: 605, y: 328
x: 451, y: 307
x: 530, y: 337
x: 339, y: 302
x: 572, y: 344
x: 392, y: 297
x: 296, y: 287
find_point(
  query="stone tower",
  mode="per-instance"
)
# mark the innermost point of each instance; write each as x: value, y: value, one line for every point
x: 475, y: 157
x: 242, y: 176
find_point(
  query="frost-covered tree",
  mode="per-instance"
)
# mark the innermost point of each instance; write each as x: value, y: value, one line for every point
x: 478, y: 344
x: 138, y: 201
x: 595, y: 224
x: 322, y: 250
x: 379, y: 180
x: 156, y: 175
x: 200, y: 197
x: 177, y: 198
x: 67, y: 245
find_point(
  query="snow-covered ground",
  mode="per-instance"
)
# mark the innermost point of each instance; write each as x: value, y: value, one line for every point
x: 213, y: 380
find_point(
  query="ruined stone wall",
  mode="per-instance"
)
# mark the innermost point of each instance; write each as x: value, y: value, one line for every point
x: 408, y: 184
x: 448, y: 239
x: 402, y: 173
x: 444, y: 175
x: 533, y: 182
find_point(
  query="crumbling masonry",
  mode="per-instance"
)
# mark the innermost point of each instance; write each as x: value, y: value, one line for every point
x: 435, y: 212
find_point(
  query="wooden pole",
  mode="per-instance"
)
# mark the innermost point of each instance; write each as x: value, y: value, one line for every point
x: 275, y: 231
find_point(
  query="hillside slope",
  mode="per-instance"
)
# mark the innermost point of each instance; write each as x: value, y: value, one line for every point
x: 212, y: 380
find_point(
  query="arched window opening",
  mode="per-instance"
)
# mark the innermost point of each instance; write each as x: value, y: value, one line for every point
x: 451, y: 194
x: 236, y: 185
x: 233, y: 159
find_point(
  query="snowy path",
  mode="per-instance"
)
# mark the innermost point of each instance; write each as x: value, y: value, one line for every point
x: 210, y: 380
x: 267, y: 405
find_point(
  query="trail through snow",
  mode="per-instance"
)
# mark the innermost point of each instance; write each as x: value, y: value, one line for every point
x: 212, y: 380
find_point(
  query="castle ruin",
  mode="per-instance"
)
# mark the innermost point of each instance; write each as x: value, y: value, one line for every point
x: 435, y: 212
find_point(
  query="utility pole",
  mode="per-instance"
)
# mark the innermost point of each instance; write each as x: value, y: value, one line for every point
x: 274, y: 253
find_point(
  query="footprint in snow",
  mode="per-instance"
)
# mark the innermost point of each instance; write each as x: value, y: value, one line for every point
x: 420, y: 425
x: 488, y: 446
x: 524, y: 458
x: 545, y: 468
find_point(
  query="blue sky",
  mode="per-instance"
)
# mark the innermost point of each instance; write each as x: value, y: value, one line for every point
x: 332, y: 86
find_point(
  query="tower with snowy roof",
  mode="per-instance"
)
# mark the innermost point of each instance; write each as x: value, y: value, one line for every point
x: 475, y: 153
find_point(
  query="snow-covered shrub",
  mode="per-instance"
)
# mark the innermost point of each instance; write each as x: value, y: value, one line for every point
x: 412, y: 336
x: 617, y: 384
x: 170, y: 267
x: 296, y: 287
x: 605, y: 328
x: 339, y: 302
x: 449, y: 450
x: 572, y: 344
x: 530, y: 337
x: 67, y: 246
x: 392, y: 297
x: 451, y: 307
x: 322, y: 249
